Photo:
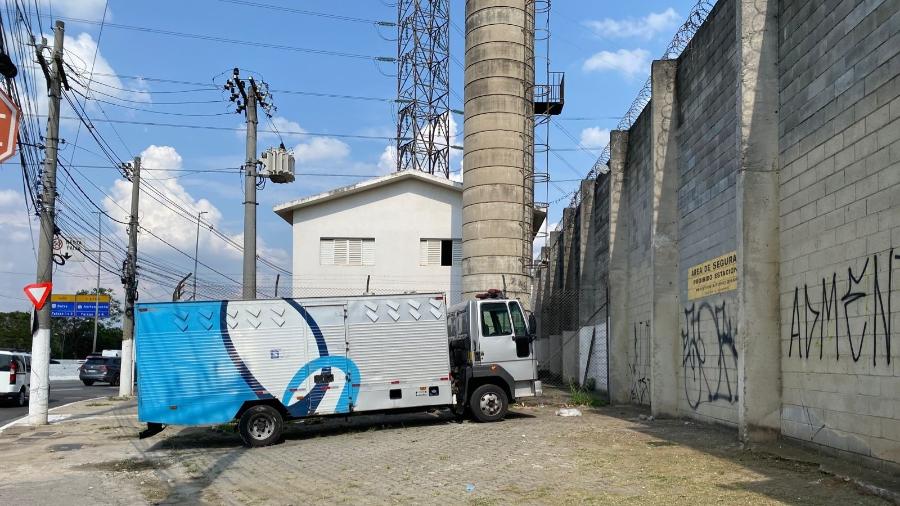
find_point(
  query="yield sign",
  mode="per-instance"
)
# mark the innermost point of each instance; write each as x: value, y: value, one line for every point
x: 38, y: 293
x: 9, y: 126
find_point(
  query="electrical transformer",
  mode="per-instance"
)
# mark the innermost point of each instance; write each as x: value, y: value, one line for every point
x: 278, y: 165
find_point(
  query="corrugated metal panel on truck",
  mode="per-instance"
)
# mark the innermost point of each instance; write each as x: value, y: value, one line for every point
x: 200, y: 362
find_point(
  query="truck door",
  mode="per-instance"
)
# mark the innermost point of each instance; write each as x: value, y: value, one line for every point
x: 500, y: 323
x: 328, y: 374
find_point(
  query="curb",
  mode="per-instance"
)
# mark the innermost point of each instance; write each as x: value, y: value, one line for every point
x: 20, y: 420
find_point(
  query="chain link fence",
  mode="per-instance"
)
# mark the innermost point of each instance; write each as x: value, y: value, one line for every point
x: 570, y: 353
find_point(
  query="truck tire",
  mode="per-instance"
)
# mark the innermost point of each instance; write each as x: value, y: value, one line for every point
x: 488, y: 403
x: 260, y: 426
x: 21, y: 398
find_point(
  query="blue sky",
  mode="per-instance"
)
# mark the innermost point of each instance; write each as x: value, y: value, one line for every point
x: 603, y: 47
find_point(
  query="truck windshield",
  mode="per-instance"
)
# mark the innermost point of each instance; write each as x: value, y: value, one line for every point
x: 495, y: 319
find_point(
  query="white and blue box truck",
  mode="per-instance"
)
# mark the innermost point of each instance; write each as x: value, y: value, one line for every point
x: 264, y: 362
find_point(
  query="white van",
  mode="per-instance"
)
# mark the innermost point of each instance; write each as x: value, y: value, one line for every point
x: 15, y: 376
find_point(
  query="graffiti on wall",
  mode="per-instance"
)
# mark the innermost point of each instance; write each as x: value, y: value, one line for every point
x: 708, y: 331
x: 859, y: 306
x: 639, y: 363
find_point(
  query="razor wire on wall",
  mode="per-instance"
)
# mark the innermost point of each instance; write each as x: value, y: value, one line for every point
x: 676, y: 46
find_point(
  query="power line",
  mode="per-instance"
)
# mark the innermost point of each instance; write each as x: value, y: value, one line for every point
x: 232, y: 129
x: 225, y: 40
x: 310, y: 13
x: 213, y: 87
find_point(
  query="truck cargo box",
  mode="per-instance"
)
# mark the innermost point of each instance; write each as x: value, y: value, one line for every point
x: 203, y: 362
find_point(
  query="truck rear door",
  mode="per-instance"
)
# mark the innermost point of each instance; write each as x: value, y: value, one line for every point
x: 328, y: 375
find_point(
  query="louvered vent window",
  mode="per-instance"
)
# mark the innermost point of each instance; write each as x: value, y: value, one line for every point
x: 445, y: 252
x: 347, y: 251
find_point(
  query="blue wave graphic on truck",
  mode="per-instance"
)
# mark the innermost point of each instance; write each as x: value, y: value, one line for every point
x: 196, y: 370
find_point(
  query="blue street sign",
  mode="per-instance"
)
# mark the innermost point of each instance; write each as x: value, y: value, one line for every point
x: 87, y: 309
x: 79, y: 306
x: 62, y: 309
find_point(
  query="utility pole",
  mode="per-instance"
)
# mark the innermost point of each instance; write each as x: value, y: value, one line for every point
x: 248, y: 96
x: 250, y: 203
x: 197, y: 254
x: 97, y: 294
x: 40, y: 346
x: 126, y: 381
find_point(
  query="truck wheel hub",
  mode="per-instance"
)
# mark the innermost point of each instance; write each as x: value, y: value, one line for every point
x: 261, y: 427
x: 490, y: 404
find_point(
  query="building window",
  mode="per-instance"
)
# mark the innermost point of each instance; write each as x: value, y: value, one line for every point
x: 346, y: 251
x: 445, y: 252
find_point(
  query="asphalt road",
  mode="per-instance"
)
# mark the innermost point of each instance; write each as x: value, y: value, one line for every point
x: 61, y: 392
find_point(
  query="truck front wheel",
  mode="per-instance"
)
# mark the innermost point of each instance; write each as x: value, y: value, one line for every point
x: 488, y: 403
x: 260, y: 426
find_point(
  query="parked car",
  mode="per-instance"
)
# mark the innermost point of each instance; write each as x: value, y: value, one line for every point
x: 100, y: 369
x: 15, y: 369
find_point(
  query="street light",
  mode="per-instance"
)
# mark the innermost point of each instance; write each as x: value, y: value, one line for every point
x: 197, y: 253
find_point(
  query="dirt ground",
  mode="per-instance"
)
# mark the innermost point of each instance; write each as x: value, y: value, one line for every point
x: 607, y: 456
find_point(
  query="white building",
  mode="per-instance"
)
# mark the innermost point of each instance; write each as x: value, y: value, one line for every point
x: 396, y: 233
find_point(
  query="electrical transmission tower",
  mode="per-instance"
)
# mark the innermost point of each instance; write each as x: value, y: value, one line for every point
x: 423, y: 86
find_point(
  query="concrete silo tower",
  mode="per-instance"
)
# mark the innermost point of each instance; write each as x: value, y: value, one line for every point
x: 498, y: 161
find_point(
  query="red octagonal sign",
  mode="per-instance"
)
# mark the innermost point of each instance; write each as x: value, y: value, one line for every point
x: 9, y: 126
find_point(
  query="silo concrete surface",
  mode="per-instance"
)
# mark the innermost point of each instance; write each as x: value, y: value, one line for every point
x: 498, y: 156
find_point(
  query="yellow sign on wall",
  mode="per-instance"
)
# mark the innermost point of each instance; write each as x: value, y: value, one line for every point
x: 714, y: 276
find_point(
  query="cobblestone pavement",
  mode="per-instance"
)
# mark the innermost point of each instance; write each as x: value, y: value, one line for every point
x: 607, y: 456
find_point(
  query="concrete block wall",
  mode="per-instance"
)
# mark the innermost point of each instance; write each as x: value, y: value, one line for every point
x: 839, y: 76
x: 787, y: 139
x: 706, y: 119
x: 636, y: 195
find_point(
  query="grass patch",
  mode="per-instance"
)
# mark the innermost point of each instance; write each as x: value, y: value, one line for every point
x: 126, y: 465
x: 584, y: 396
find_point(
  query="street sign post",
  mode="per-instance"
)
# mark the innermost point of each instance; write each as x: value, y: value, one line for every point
x: 37, y: 293
x: 65, y: 305
x: 9, y: 126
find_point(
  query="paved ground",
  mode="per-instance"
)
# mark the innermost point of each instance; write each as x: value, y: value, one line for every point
x: 61, y: 392
x: 607, y: 456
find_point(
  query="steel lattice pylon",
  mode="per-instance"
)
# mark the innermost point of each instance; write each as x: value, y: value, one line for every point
x: 423, y: 86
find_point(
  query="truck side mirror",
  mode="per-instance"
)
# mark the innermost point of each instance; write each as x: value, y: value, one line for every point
x: 532, y: 324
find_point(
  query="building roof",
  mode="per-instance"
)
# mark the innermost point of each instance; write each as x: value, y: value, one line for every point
x: 286, y: 210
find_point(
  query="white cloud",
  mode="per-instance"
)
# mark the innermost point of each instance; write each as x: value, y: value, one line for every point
x: 11, y: 198
x: 157, y: 163
x: 290, y: 131
x: 103, y: 82
x: 387, y: 162
x: 630, y: 63
x: 321, y: 148
x: 646, y: 27
x: 82, y: 9
x: 307, y: 149
x: 80, y: 51
x: 594, y: 137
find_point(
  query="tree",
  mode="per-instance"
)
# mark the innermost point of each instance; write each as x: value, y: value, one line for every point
x: 15, y: 330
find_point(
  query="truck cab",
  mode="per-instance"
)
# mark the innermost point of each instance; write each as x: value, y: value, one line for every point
x: 491, y: 354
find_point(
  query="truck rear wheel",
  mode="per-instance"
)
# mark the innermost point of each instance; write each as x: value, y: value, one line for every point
x: 260, y: 426
x: 488, y: 403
